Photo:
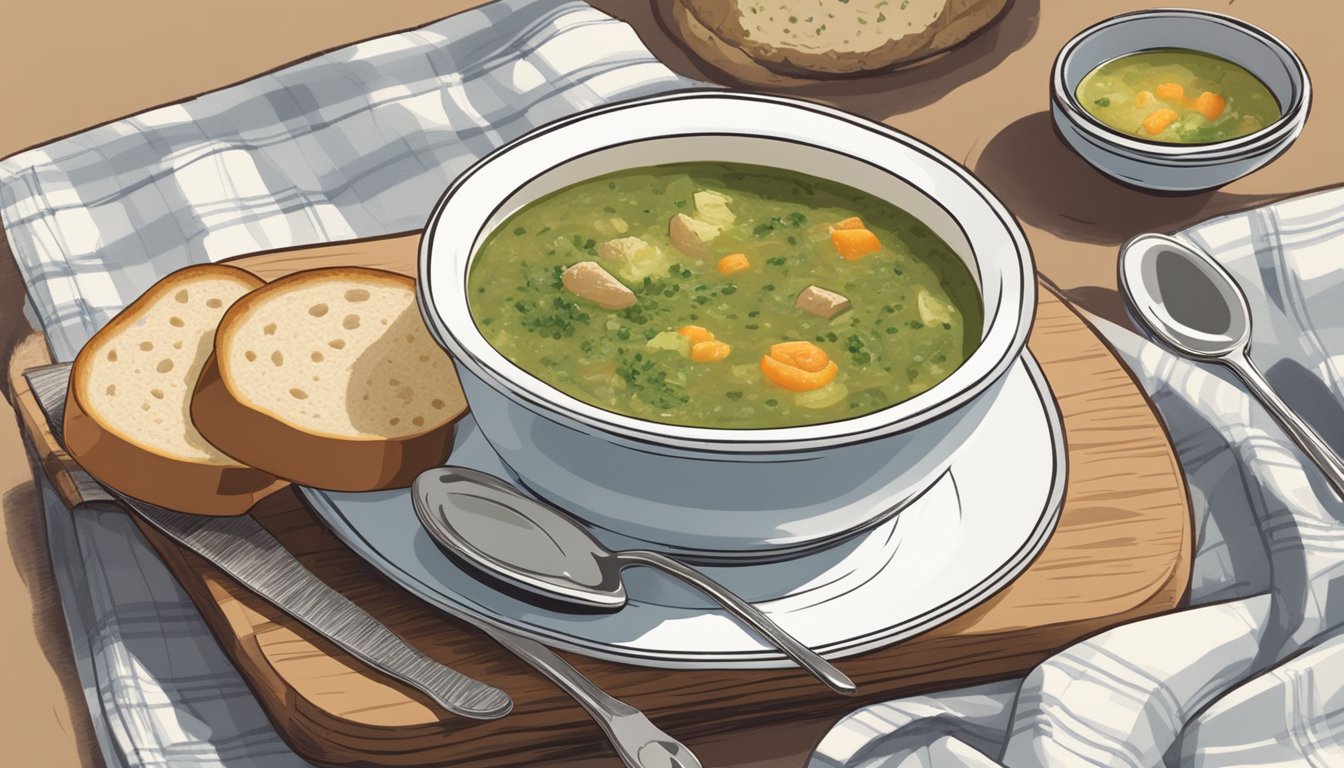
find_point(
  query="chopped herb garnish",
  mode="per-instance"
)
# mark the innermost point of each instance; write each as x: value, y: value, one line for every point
x: 1104, y: 101
x: 520, y: 230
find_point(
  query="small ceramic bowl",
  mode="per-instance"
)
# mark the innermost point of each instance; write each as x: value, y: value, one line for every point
x: 1178, y: 167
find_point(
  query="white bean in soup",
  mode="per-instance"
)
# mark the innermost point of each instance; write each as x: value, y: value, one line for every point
x: 762, y: 298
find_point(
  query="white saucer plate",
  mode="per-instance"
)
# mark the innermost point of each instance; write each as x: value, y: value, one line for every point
x: 966, y: 538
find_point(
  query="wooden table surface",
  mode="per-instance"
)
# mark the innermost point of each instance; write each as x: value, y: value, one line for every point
x: 68, y: 64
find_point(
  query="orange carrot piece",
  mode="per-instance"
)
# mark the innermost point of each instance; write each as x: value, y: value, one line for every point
x: 1158, y: 121
x: 1143, y: 98
x: 854, y: 244
x: 1210, y: 105
x: 1173, y: 92
x: 732, y: 263
x: 853, y: 222
x: 797, y: 379
x: 709, y: 351
x: 696, y: 333
x: 800, y: 354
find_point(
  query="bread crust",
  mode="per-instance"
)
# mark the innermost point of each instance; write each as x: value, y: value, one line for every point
x: 116, y: 459
x: 717, y: 30
x: 263, y: 440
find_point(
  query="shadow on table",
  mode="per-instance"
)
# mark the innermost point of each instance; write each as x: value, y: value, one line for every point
x: 1047, y: 185
x: 901, y: 90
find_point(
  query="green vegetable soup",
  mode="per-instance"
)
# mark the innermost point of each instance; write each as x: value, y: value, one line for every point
x: 725, y: 295
x: 1177, y: 96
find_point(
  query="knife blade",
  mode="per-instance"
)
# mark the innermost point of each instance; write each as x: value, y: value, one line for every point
x: 246, y: 551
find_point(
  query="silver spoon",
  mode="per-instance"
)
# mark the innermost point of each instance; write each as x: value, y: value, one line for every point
x: 1189, y: 301
x: 489, y: 524
x: 638, y: 742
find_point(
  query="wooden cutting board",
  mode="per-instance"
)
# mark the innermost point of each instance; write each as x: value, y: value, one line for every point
x: 1122, y: 551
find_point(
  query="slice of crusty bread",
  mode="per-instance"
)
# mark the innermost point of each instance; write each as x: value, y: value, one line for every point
x: 775, y: 43
x: 127, y: 420
x: 329, y: 378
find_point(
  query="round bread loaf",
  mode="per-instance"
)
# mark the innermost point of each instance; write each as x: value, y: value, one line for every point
x: 776, y: 43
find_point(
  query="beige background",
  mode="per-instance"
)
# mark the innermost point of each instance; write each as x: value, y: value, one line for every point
x: 65, y: 65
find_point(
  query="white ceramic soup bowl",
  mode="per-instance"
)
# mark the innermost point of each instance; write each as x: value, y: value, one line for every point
x: 725, y: 494
x: 1178, y: 167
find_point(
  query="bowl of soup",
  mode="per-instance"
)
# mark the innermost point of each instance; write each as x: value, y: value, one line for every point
x: 722, y: 325
x: 1178, y: 100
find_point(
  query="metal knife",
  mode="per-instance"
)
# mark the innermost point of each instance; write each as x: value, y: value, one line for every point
x: 245, y: 550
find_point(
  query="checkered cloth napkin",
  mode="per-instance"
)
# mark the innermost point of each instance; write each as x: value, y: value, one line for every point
x: 1252, y: 672
x: 354, y: 143
x: 360, y: 141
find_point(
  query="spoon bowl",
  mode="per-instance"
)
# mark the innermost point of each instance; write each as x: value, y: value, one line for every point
x: 491, y: 526
x: 1187, y: 299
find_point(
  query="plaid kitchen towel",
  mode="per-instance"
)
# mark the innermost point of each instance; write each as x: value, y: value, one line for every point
x: 1252, y: 672
x: 359, y: 142
x: 354, y: 143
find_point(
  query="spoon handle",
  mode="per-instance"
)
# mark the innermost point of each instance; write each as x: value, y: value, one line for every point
x: 748, y: 613
x: 1305, y: 437
x: 638, y: 742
